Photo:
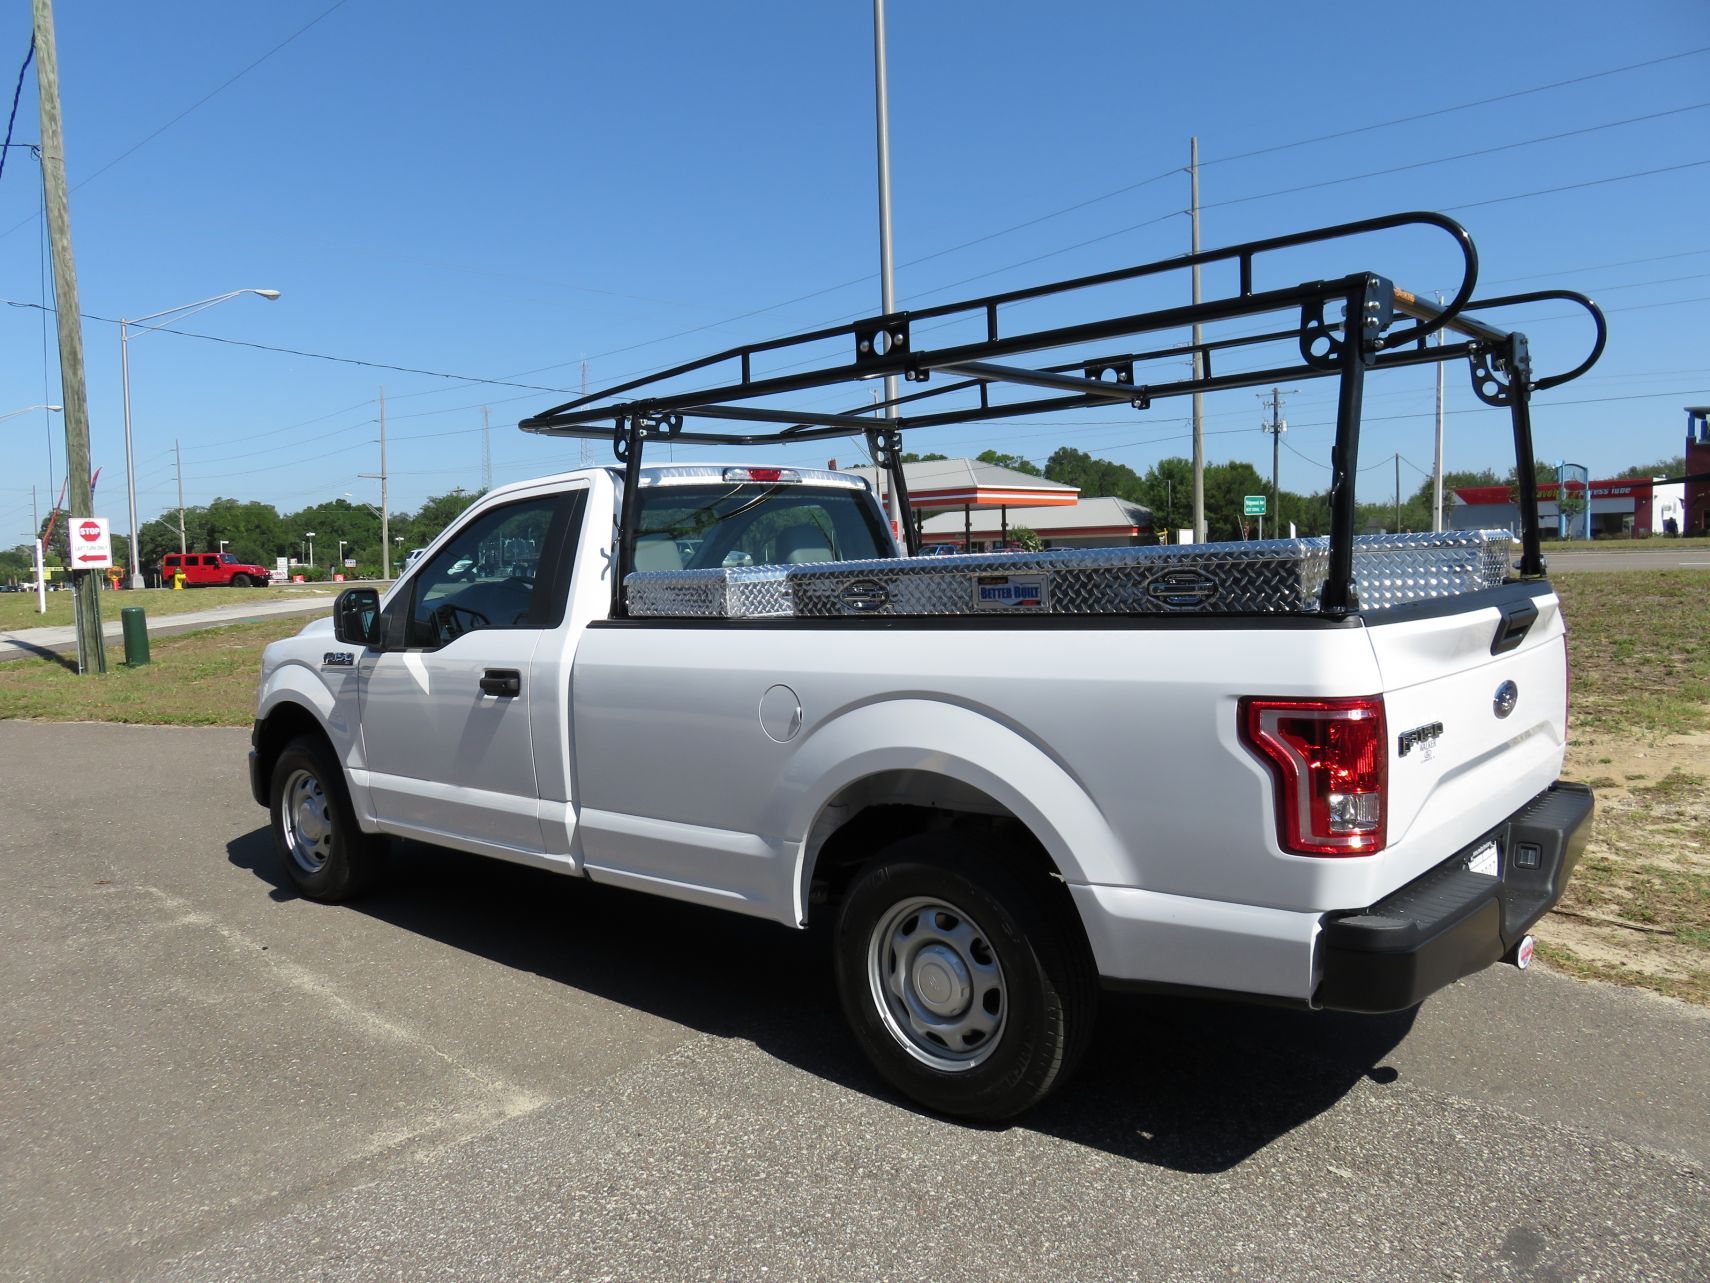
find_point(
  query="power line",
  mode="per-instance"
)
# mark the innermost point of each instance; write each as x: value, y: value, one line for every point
x: 219, y: 89
x: 314, y: 356
x: 1465, y: 106
x: 1465, y: 155
x: 1594, y: 182
x: 17, y: 93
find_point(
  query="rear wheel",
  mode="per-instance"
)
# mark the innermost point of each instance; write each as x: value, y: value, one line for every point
x: 240, y: 581
x: 965, y: 976
x: 325, y: 853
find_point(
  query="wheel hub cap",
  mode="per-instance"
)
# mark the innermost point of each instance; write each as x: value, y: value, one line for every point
x: 941, y: 980
x: 312, y: 823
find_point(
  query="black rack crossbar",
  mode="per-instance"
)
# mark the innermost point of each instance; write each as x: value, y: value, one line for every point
x: 1341, y: 327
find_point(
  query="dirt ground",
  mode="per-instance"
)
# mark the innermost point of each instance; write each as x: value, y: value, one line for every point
x: 1638, y: 909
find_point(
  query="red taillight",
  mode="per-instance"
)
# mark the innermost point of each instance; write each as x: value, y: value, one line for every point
x: 1330, y: 761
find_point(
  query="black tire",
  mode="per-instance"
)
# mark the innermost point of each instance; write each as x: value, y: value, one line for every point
x: 325, y: 854
x: 240, y: 581
x: 965, y: 976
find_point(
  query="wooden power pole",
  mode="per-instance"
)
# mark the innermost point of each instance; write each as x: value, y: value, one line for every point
x: 91, y: 649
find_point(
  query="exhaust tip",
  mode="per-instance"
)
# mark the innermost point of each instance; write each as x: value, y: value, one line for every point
x: 1521, y: 954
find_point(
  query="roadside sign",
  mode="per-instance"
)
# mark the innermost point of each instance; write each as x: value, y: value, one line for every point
x: 1253, y: 505
x: 91, y: 544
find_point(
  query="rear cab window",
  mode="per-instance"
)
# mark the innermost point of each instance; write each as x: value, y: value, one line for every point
x: 706, y: 525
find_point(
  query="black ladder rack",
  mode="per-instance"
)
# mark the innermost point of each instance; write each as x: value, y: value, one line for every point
x: 1393, y: 328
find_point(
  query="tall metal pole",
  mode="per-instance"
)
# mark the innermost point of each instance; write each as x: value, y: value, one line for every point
x: 1437, y: 464
x: 887, y: 268
x: 1276, y: 427
x: 1398, y: 492
x: 1198, y: 361
x: 130, y: 466
x: 179, y: 454
x: 486, y: 452
x: 385, y: 499
x: 91, y: 649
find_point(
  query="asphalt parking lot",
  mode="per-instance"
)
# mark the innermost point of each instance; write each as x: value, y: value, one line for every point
x: 489, y: 1072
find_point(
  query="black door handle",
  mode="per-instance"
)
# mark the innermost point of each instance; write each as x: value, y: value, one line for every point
x: 501, y: 681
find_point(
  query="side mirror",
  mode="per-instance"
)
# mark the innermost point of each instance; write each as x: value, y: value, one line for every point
x: 356, y: 617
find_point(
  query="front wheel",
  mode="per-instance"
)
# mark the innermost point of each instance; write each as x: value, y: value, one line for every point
x: 325, y: 854
x: 965, y: 976
x: 240, y: 581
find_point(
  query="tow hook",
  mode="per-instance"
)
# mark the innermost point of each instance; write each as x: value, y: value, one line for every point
x: 1521, y: 954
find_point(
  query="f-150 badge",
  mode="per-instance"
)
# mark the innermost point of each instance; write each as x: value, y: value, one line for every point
x: 338, y: 659
x: 1423, y: 738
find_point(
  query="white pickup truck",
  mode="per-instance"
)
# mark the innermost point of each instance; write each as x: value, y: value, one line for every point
x: 1316, y: 771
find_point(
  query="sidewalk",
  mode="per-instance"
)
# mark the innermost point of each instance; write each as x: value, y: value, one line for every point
x: 22, y: 643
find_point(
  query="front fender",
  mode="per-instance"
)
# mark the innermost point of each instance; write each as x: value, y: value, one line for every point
x: 959, y: 743
x: 330, y: 695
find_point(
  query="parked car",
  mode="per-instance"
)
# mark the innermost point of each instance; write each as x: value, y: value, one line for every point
x: 939, y: 550
x: 212, y: 570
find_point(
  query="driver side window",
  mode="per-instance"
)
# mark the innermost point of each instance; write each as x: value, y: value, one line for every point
x: 484, y: 578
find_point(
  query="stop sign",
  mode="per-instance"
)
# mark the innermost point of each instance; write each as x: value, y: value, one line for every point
x: 94, y: 550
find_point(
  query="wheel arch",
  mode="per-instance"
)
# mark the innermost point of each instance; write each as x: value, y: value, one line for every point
x: 959, y: 768
x: 285, y: 721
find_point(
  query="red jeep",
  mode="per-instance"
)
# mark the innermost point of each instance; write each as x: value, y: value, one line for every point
x: 211, y: 570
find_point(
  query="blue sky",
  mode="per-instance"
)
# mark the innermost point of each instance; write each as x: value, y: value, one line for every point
x: 508, y: 190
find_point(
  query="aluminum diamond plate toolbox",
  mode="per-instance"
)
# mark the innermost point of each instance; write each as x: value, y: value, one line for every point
x: 1392, y: 570
x: 1274, y: 576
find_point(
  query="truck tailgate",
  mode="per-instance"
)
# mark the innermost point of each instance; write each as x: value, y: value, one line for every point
x: 1476, y: 706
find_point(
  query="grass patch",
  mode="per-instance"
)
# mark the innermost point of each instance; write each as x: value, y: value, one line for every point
x: 18, y: 610
x: 1689, y: 986
x: 1636, y: 641
x: 1687, y: 543
x: 205, y: 678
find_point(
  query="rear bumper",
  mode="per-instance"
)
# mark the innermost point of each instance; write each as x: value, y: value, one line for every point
x: 1452, y: 922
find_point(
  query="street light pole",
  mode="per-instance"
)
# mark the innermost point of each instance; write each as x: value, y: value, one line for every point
x: 310, y: 536
x: 125, y: 377
x: 887, y: 268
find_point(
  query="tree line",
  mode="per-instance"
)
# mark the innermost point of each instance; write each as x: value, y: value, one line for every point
x: 1166, y: 489
x: 258, y: 532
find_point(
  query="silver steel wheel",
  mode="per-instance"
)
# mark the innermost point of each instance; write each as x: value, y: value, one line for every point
x: 937, y: 983
x: 305, y: 815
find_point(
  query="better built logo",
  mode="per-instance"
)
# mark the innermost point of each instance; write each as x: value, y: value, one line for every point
x: 1009, y: 592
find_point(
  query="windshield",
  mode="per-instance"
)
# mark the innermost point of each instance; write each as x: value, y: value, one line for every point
x: 227, y: 559
x: 700, y: 527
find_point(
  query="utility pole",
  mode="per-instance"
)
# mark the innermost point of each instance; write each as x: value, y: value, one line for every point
x: 1437, y: 465
x: 1276, y: 427
x: 486, y: 453
x: 91, y: 647
x: 182, y: 545
x: 1398, y: 492
x: 1198, y: 360
x: 586, y: 451
x: 385, y: 498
